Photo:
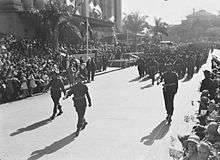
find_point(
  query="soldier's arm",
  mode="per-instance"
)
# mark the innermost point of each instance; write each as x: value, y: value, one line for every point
x: 176, y: 80
x: 160, y: 79
x: 88, y: 97
x: 47, y: 87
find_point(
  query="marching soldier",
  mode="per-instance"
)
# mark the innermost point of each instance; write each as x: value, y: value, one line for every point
x: 152, y: 69
x: 170, y: 88
x: 56, y: 87
x: 80, y: 92
x: 140, y: 64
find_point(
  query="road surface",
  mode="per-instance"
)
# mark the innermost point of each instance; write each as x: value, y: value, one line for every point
x: 126, y: 122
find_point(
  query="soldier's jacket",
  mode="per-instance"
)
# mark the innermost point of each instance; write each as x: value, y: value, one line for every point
x: 80, y: 92
x: 170, y: 82
x: 56, y: 86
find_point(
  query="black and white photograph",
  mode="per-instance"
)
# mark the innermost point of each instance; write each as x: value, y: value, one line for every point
x: 109, y: 79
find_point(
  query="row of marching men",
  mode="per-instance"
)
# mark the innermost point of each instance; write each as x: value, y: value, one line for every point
x: 182, y: 63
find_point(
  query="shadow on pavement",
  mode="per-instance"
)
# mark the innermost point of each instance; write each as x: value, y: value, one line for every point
x: 158, y: 133
x: 147, y: 86
x: 135, y: 79
x: 53, y: 147
x: 31, y: 127
x: 145, y: 79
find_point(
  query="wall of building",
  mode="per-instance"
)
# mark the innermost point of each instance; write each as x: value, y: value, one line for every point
x: 10, y: 5
x: 14, y: 24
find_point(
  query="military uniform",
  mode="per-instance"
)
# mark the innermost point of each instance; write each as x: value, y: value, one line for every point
x: 152, y: 70
x: 169, y: 90
x: 56, y: 87
x: 80, y: 92
x: 140, y: 64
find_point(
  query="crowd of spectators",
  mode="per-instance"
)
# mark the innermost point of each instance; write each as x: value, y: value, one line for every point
x: 204, y: 141
x: 25, y: 67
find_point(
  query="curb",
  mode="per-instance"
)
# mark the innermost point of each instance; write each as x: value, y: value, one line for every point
x: 118, y: 69
x: 67, y: 86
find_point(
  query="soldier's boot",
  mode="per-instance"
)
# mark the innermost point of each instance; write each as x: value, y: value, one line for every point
x: 169, y: 119
x: 54, y: 113
x: 52, y: 117
x: 77, y: 132
x: 84, y: 125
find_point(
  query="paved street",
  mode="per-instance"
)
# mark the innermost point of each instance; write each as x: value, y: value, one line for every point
x: 125, y: 110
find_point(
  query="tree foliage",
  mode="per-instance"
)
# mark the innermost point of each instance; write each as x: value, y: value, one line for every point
x: 160, y: 27
x: 56, y: 21
x: 135, y: 23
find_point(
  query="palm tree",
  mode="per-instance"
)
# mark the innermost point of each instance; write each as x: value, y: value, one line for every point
x: 135, y: 23
x: 159, y: 29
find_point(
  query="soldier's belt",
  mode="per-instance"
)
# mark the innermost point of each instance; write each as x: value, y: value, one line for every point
x: 171, y: 84
x: 78, y: 98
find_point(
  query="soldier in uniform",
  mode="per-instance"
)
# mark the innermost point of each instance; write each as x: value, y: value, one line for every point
x: 140, y: 64
x: 152, y: 70
x: 170, y: 88
x: 80, y: 92
x: 56, y: 87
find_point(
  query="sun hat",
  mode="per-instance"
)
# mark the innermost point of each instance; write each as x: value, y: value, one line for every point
x: 193, y: 138
x: 212, y: 128
x: 205, y: 93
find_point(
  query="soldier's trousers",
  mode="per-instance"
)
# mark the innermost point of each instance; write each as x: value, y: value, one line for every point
x: 91, y: 75
x: 152, y: 78
x: 81, y: 113
x: 140, y: 71
x: 56, y: 101
x: 169, y: 98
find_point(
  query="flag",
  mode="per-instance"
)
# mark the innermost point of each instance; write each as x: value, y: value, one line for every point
x: 97, y: 11
x: 91, y: 7
x: 112, y: 19
x: 70, y: 3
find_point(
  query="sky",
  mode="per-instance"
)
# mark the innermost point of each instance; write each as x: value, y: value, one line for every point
x: 171, y: 11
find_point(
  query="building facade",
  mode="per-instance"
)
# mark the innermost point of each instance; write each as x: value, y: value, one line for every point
x: 12, y: 14
x: 198, y: 26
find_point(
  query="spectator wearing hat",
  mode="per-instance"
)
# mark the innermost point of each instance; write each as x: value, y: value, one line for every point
x: 203, y: 110
x: 205, y: 93
x: 191, y: 152
x: 32, y: 83
x: 217, y: 96
x: 204, y: 151
x: 208, y: 84
x: 80, y: 92
x: 170, y: 88
x: 2, y: 92
x: 24, y: 86
x: 212, y: 134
